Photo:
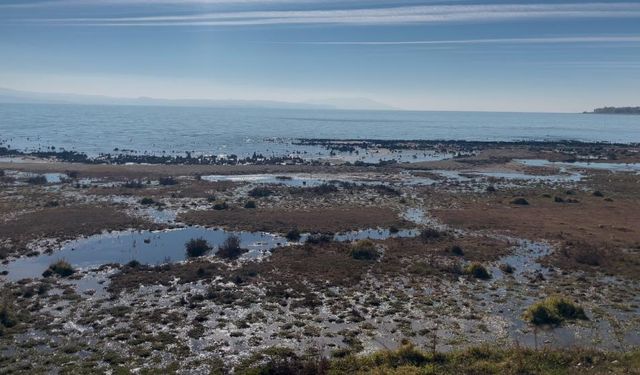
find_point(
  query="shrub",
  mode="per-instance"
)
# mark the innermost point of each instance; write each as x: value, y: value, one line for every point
x: 293, y: 235
x: 491, y: 189
x: 1, y: 173
x: 133, y: 184
x: 220, y: 206
x: 250, y: 204
x: 324, y: 189
x: 520, y: 202
x: 72, y: 174
x: 230, y: 248
x: 52, y: 204
x: 553, y: 311
x: 364, y: 250
x: 7, y: 315
x: 147, y: 201
x: 60, y: 268
x: 507, y: 268
x: 598, y: 193
x: 260, y: 192
x: 318, y: 238
x: 558, y: 199
x: 393, y: 229
x: 197, y: 247
x: 166, y: 181
x: 430, y: 234
x: 477, y: 271
x: 134, y: 264
x: 37, y: 180
x: 457, y: 250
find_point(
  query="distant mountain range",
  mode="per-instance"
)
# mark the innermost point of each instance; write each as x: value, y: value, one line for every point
x: 17, y: 96
x: 617, y: 111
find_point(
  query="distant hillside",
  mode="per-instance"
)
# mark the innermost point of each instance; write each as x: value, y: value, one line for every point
x: 17, y: 96
x: 616, y: 111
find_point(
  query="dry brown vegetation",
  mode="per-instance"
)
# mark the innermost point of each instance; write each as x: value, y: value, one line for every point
x: 65, y: 223
x: 328, y: 220
x: 593, y: 233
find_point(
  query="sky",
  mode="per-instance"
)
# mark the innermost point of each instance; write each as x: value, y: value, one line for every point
x: 550, y: 56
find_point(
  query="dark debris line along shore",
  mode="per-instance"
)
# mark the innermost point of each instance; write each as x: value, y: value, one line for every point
x: 336, y: 145
x: 78, y: 157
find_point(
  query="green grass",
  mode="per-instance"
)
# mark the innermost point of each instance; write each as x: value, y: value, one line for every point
x: 553, y: 311
x: 477, y: 271
x: 479, y: 360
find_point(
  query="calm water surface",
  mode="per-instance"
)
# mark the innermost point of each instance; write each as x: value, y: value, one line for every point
x: 176, y: 130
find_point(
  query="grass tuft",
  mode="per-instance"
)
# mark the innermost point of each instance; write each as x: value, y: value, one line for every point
x: 553, y: 311
x: 60, y: 268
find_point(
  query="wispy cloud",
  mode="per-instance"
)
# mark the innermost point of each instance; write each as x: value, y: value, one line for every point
x: 93, y: 3
x: 543, y: 40
x: 373, y: 16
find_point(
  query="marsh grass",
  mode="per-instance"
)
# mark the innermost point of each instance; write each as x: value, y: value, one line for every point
x: 554, y: 310
x: 478, y: 271
x: 408, y: 359
x: 60, y: 268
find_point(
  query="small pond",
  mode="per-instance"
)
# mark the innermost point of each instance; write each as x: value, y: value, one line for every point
x: 152, y: 248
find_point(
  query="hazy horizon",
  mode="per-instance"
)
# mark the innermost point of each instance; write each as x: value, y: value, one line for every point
x: 517, y: 56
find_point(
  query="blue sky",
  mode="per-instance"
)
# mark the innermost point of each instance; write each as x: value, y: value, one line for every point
x: 428, y: 55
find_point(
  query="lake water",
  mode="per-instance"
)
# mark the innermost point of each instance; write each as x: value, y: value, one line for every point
x: 215, y: 131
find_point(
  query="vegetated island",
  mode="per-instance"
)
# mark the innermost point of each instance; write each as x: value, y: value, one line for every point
x: 616, y: 111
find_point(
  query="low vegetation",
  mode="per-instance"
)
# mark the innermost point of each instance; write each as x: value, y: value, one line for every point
x: 197, y: 247
x: 146, y: 201
x: 293, y: 235
x: 219, y: 206
x: 364, y: 250
x: 322, y: 189
x: 260, y: 192
x: 520, y: 202
x: 430, y: 234
x: 507, y: 268
x: 167, y: 181
x: 230, y: 248
x: 60, y: 268
x: 318, y: 238
x: 457, y: 250
x: 478, y: 271
x: 37, y: 180
x: 477, y: 360
x: 553, y: 311
x: 133, y: 184
x: 8, y: 318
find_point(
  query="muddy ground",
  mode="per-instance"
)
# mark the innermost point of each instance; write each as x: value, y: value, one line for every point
x: 537, y: 230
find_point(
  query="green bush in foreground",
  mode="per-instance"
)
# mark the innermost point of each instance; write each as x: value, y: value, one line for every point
x: 60, y: 268
x: 554, y: 310
x: 479, y: 360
